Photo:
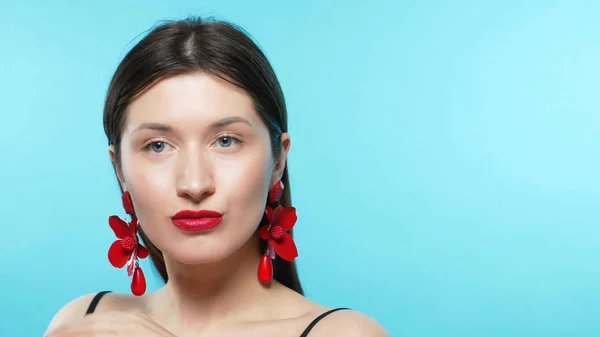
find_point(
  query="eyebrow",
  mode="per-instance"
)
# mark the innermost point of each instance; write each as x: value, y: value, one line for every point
x: 215, y: 125
x: 229, y: 120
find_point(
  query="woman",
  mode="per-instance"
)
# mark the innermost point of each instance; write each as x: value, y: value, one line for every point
x: 197, y: 129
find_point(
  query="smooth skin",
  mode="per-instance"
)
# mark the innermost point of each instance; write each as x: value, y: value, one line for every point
x: 195, y: 141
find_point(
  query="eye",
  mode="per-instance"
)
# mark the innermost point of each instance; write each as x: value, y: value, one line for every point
x: 156, y: 146
x: 227, y: 141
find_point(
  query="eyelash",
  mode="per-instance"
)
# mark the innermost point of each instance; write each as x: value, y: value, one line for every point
x: 237, y: 139
x: 146, y: 147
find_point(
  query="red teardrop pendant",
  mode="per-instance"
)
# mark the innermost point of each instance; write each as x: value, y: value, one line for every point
x: 138, y: 283
x: 265, y: 269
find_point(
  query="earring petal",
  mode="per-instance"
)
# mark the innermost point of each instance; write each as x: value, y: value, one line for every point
x: 127, y: 203
x: 117, y: 256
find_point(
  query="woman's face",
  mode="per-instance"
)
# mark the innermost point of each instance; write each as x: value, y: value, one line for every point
x: 195, y: 142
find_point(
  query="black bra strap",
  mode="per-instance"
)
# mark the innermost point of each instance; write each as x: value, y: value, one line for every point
x: 316, y: 320
x: 95, y: 301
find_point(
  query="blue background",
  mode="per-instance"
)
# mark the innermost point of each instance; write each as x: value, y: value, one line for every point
x: 444, y: 162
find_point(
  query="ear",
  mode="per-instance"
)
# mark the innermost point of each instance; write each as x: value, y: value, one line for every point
x: 280, y: 161
x: 113, y: 158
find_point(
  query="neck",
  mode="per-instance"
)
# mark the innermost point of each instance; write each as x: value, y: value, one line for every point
x: 227, y: 290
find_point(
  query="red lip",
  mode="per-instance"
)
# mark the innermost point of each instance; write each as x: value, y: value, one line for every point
x: 196, y: 221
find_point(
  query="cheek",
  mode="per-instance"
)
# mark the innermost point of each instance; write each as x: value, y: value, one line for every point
x: 244, y: 184
x: 150, y: 185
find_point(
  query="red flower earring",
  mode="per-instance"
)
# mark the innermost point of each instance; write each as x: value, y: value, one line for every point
x: 127, y: 249
x: 279, y: 241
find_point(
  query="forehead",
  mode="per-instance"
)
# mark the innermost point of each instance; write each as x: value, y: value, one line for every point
x: 191, y: 98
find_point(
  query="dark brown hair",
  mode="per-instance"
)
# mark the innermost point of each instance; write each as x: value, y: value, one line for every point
x: 201, y: 45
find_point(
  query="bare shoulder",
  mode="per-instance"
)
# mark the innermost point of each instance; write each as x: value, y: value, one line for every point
x: 71, y: 312
x: 346, y: 323
x: 76, y: 309
x: 349, y: 323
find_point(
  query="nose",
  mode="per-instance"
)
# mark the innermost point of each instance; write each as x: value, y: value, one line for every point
x: 194, y: 179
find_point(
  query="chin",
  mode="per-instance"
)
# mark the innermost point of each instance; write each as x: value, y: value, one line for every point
x: 199, y: 250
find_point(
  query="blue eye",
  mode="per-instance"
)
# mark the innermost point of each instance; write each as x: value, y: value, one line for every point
x: 157, y: 147
x: 227, y: 141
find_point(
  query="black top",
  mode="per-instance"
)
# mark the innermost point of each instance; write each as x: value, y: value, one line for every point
x: 312, y: 324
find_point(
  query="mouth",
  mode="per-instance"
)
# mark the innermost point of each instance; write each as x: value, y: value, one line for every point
x: 196, y: 221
